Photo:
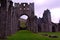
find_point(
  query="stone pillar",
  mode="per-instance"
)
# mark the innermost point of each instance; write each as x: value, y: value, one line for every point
x: 56, y: 27
x: 3, y: 21
x: 3, y: 15
x: 9, y: 19
x: 42, y: 27
x: 35, y: 24
x: 28, y: 24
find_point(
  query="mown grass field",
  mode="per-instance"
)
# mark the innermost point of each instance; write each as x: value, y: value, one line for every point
x: 27, y: 35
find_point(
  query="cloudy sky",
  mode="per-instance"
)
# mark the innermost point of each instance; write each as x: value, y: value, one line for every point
x: 41, y: 5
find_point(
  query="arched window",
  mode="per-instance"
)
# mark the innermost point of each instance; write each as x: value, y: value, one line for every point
x: 24, y: 5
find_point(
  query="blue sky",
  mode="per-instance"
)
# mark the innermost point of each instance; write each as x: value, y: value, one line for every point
x: 41, y: 5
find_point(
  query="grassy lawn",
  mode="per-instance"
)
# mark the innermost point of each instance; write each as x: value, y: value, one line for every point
x: 27, y: 35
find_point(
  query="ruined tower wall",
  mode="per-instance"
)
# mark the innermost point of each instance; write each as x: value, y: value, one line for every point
x: 47, y: 20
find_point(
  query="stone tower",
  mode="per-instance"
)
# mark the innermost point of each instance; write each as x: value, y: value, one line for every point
x: 47, y: 21
x: 44, y: 23
x: 26, y: 9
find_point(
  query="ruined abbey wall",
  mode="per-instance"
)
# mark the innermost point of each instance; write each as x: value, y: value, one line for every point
x: 9, y: 15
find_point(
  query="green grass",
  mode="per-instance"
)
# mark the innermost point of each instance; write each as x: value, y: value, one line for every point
x: 27, y: 35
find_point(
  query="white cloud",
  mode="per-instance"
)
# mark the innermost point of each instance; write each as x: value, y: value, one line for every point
x: 55, y: 14
x: 24, y: 17
x: 41, y: 2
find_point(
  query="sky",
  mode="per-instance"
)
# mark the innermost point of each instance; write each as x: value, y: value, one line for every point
x: 41, y: 5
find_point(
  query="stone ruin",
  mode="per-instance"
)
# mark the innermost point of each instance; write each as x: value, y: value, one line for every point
x: 9, y: 15
x: 46, y: 25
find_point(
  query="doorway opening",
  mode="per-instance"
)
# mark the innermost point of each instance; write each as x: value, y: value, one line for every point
x: 22, y: 22
x: 39, y: 28
x: 53, y: 29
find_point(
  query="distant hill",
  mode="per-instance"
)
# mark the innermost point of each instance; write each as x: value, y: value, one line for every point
x: 22, y: 22
x: 21, y: 19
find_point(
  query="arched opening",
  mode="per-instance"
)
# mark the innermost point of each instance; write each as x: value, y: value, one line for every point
x: 59, y: 26
x: 53, y: 29
x: 22, y: 22
x: 39, y: 28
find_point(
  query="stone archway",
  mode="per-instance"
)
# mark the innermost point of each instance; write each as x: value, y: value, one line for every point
x: 27, y: 9
x: 28, y: 21
x: 22, y: 24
